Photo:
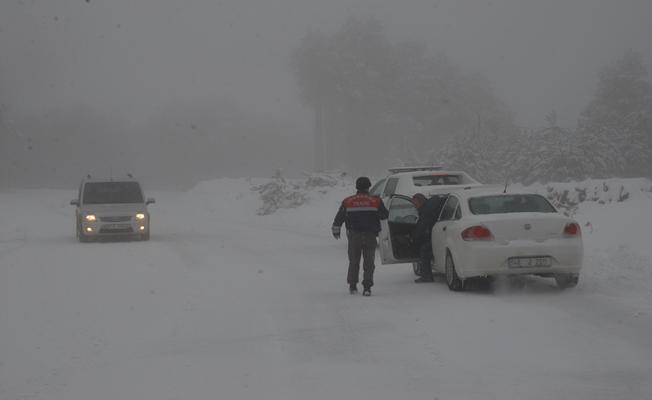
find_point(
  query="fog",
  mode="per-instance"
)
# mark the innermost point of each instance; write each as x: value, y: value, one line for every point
x: 136, y: 72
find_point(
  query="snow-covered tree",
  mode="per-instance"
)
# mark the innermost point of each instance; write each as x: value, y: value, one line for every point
x: 389, y: 101
x: 490, y: 157
x: 552, y: 154
x: 615, y: 131
x: 613, y: 138
x: 345, y: 78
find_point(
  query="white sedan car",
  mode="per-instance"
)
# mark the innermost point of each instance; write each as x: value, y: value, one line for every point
x: 484, y: 232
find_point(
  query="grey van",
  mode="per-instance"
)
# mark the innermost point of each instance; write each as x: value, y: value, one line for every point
x: 111, y: 208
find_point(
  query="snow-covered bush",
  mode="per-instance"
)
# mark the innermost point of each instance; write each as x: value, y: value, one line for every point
x: 322, y: 180
x: 567, y: 196
x: 281, y: 193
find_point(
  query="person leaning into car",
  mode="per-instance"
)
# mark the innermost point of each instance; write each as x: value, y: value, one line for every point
x: 429, y: 210
x: 361, y: 213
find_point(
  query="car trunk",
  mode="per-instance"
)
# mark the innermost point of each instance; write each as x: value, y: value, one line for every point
x: 525, y: 226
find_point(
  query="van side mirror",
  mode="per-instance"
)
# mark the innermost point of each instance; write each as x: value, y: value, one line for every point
x: 74, y: 202
x: 150, y: 200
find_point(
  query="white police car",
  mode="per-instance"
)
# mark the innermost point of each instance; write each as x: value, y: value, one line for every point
x: 428, y: 180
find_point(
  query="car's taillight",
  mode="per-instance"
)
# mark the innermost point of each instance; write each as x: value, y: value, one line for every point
x: 572, y: 230
x: 477, y: 232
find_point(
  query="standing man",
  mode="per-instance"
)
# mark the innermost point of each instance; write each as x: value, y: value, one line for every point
x: 361, y: 213
x: 429, y: 210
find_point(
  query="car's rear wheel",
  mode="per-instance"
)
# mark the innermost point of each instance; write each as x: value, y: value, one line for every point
x: 567, y: 281
x: 452, y: 279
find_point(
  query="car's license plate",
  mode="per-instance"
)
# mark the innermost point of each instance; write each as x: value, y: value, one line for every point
x: 116, y: 226
x: 529, y: 262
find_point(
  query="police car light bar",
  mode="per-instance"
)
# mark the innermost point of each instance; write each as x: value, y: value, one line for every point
x: 416, y: 168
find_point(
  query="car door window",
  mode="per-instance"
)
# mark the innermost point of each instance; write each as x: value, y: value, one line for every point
x: 390, y: 188
x: 402, y: 210
x: 377, y: 189
x: 448, y: 212
x: 458, y: 213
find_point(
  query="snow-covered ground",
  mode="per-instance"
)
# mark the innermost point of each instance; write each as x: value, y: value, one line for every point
x: 223, y: 303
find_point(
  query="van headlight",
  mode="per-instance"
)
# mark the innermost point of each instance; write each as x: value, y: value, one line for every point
x: 91, y: 217
x: 140, y: 216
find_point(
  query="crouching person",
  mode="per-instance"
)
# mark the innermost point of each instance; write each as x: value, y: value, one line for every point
x: 361, y: 213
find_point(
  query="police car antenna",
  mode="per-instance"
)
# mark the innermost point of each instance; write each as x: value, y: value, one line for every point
x: 506, y: 184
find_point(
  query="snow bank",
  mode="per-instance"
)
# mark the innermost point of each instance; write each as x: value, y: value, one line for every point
x: 568, y: 195
x: 282, y: 193
x: 618, y: 255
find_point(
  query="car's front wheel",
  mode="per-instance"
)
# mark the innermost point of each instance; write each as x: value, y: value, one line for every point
x: 567, y: 281
x: 452, y: 279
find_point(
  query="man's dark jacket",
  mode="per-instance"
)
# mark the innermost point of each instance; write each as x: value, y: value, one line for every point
x: 428, y: 214
x: 361, y: 212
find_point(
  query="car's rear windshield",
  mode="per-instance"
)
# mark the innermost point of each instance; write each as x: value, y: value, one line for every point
x: 112, y: 192
x: 437, y: 179
x: 504, y: 204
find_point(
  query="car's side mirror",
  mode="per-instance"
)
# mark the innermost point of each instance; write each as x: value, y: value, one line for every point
x: 150, y: 200
x: 74, y: 202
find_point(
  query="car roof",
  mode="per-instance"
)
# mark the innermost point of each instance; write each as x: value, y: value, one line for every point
x: 415, y: 168
x: 106, y: 180
x: 428, y: 172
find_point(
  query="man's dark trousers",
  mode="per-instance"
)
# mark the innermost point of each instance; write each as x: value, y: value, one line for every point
x: 425, y: 255
x: 361, y: 244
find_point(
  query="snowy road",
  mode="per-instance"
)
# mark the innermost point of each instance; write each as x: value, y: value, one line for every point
x: 223, y: 304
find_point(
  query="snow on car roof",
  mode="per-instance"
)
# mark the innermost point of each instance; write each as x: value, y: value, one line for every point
x: 415, y: 169
x: 114, y: 179
x: 426, y: 172
x: 488, y: 190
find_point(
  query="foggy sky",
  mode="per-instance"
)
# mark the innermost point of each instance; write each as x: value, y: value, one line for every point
x: 134, y: 57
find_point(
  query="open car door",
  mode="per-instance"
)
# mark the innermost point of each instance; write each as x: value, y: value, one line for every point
x: 397, y: 232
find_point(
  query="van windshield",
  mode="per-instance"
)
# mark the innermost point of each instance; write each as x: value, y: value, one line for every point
x: 112, y: 192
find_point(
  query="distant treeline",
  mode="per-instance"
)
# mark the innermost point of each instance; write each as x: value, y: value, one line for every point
x: 379, y: 103
x: 180, y: 146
